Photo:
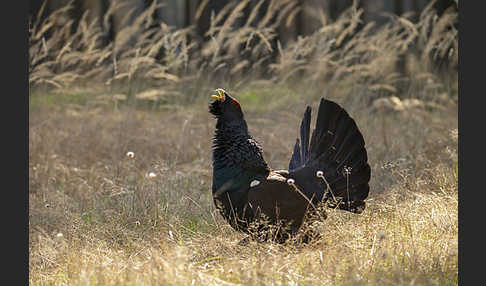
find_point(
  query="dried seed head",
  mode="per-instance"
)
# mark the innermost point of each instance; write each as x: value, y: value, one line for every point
x: 290, y: 181
x: 347, y: 170
x: 320, y: 174
x: 381, y: 235
x: 130, y: 154
x: 151, y: 175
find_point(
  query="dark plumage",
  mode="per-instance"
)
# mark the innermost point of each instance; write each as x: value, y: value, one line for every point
x: 328, y: 166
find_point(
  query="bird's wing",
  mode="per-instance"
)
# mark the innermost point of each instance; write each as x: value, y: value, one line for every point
x: 337, y: 149
x: 277, y: 200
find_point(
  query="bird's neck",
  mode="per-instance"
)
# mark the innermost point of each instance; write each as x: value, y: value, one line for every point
x: 228, y: 144
x: 236, y: 158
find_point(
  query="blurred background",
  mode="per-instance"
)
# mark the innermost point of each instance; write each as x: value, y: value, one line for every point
x: 184, y: 13
x: 234, y: 42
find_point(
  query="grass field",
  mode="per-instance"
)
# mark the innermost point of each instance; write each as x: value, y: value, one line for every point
x: 120, y: 153
x: 96, y: 217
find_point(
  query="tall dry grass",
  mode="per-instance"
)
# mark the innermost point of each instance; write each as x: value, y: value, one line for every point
x: 237, y: 50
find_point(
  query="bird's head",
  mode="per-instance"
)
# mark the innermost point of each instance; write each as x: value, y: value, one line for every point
x: 225, y: 107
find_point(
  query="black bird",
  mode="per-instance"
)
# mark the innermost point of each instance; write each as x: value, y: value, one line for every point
x: 328, y: 166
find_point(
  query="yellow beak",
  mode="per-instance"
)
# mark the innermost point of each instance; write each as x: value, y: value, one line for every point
x: 221, y: 97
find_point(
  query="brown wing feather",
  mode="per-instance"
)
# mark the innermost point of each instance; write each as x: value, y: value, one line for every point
x: 278, y: 200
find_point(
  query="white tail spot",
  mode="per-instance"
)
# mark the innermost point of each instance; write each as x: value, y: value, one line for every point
x: 254, y: 183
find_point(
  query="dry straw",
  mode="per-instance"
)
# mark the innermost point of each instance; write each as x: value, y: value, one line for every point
x: 235, y: 48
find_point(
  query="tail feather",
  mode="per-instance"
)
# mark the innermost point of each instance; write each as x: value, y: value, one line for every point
x: 301, y: 149
x: 352, y: 146
x: 323, y: 119
x: 345, y: 130
x: 337, y: 148
x: 305, y: 133
x: 329, y: 118
x: 358, y: 177
x: 357, y: 155
x: 295, y: 160
x: 320, y: 149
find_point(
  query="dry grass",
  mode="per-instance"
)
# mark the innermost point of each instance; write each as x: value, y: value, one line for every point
x: 237, y: 51
x: 100, y: 217
x: 119, y: 226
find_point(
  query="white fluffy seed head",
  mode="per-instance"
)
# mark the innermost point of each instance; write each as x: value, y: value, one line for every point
x: 151, y: 175
x: 130, y: 154
x: 320, y: 174
x: 290, y: 181
x: 347, y: 170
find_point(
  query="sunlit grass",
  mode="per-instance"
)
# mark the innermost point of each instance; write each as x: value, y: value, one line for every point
x: 120, y: 150
x: 122, y: 226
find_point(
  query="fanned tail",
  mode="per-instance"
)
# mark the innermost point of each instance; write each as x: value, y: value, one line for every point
x: 337, y: 148
x: 301, y: 150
